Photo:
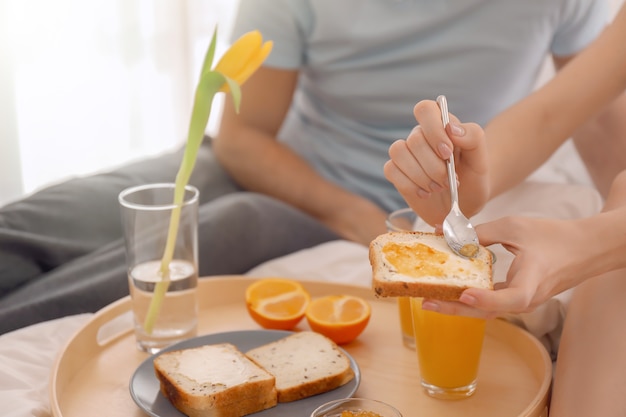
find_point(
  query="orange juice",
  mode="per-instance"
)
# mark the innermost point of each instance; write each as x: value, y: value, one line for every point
x: 406, y: 322
x: 448, y: 350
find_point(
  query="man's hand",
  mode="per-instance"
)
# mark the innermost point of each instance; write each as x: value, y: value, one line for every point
x: 247, y: 147
x: 360, y: 221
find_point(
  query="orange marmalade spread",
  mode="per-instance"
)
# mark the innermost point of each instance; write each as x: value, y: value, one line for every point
x: 469, y: 250
x: 359, y: 414
x: 415, y: 260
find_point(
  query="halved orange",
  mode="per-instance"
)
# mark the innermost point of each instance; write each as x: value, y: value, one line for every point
x: 341, y: 318
x: 277, y: 303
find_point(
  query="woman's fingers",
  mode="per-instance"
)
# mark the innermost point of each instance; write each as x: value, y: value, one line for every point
x: 510, y: 299
x: 405, y: 172
x: 476, y: 302
x: 497, y: 231
x: 432, y: 165
x: 456, y: 309
x: 428, y: 116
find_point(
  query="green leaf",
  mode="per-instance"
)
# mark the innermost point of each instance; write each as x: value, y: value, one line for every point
x: 210, y: 53
x: 235, y: 92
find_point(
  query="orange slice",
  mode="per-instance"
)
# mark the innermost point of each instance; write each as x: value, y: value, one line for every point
x: 341, y: 318
x: 277, y: 303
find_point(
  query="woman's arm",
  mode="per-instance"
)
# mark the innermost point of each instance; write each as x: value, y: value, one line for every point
x: 518, y: 140
x: 551, y: 256
x: 530, y: 131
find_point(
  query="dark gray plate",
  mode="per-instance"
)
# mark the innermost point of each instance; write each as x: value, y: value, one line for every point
x: 144, y: 386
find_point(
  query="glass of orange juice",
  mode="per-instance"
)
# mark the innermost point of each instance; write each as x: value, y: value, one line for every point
x: 406, y: 322
x: 448, y: 351
x: 406, y: 220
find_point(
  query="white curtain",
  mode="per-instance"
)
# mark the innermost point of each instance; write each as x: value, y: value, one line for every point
x: 88, y: 85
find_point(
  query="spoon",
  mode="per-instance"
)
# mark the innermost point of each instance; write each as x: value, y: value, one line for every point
x: 457, y: 229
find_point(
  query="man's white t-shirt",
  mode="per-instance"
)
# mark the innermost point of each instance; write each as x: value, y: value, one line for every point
x: 365, y: 63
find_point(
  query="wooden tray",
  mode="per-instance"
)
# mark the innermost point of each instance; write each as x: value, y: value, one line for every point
x: 91, y: 375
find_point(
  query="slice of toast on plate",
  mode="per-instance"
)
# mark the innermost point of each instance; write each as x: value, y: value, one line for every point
x: 214, y: 381
x: 304, y: 364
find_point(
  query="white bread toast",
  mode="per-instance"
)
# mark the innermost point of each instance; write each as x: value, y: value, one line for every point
x: 304, y: 364
x: 214, y: 381
x: 420, y: 264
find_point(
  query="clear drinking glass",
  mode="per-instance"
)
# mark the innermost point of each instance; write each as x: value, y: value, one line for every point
x: 146, y: 216
x: 335, y: 408
x: 405, y: 220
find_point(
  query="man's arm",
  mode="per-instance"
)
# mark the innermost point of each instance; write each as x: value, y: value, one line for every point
x: 246, y: 145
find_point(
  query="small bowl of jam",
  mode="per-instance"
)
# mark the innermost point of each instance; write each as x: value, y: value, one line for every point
x: 356, y: 407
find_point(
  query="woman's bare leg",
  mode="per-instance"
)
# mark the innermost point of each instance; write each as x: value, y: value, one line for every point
x: 590, y: 377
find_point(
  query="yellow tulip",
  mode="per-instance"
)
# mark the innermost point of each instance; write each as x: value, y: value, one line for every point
x: 237, y: 64
x: 243, y: 58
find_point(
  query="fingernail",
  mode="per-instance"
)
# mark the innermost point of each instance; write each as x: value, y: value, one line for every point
x: 430, y: 306
x: 435, y: 187
x: 467, y: 299
x: 444, y: 151
x: 422, y: 193
x: 456, y: 129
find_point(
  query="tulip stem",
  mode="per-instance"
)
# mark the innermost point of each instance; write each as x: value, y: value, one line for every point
x: 200, y: 114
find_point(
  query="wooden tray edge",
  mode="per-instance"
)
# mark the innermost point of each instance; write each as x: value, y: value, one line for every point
x: 85, y: 340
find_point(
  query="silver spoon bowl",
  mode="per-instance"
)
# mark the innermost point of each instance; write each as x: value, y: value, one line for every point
x: 457, y: 229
